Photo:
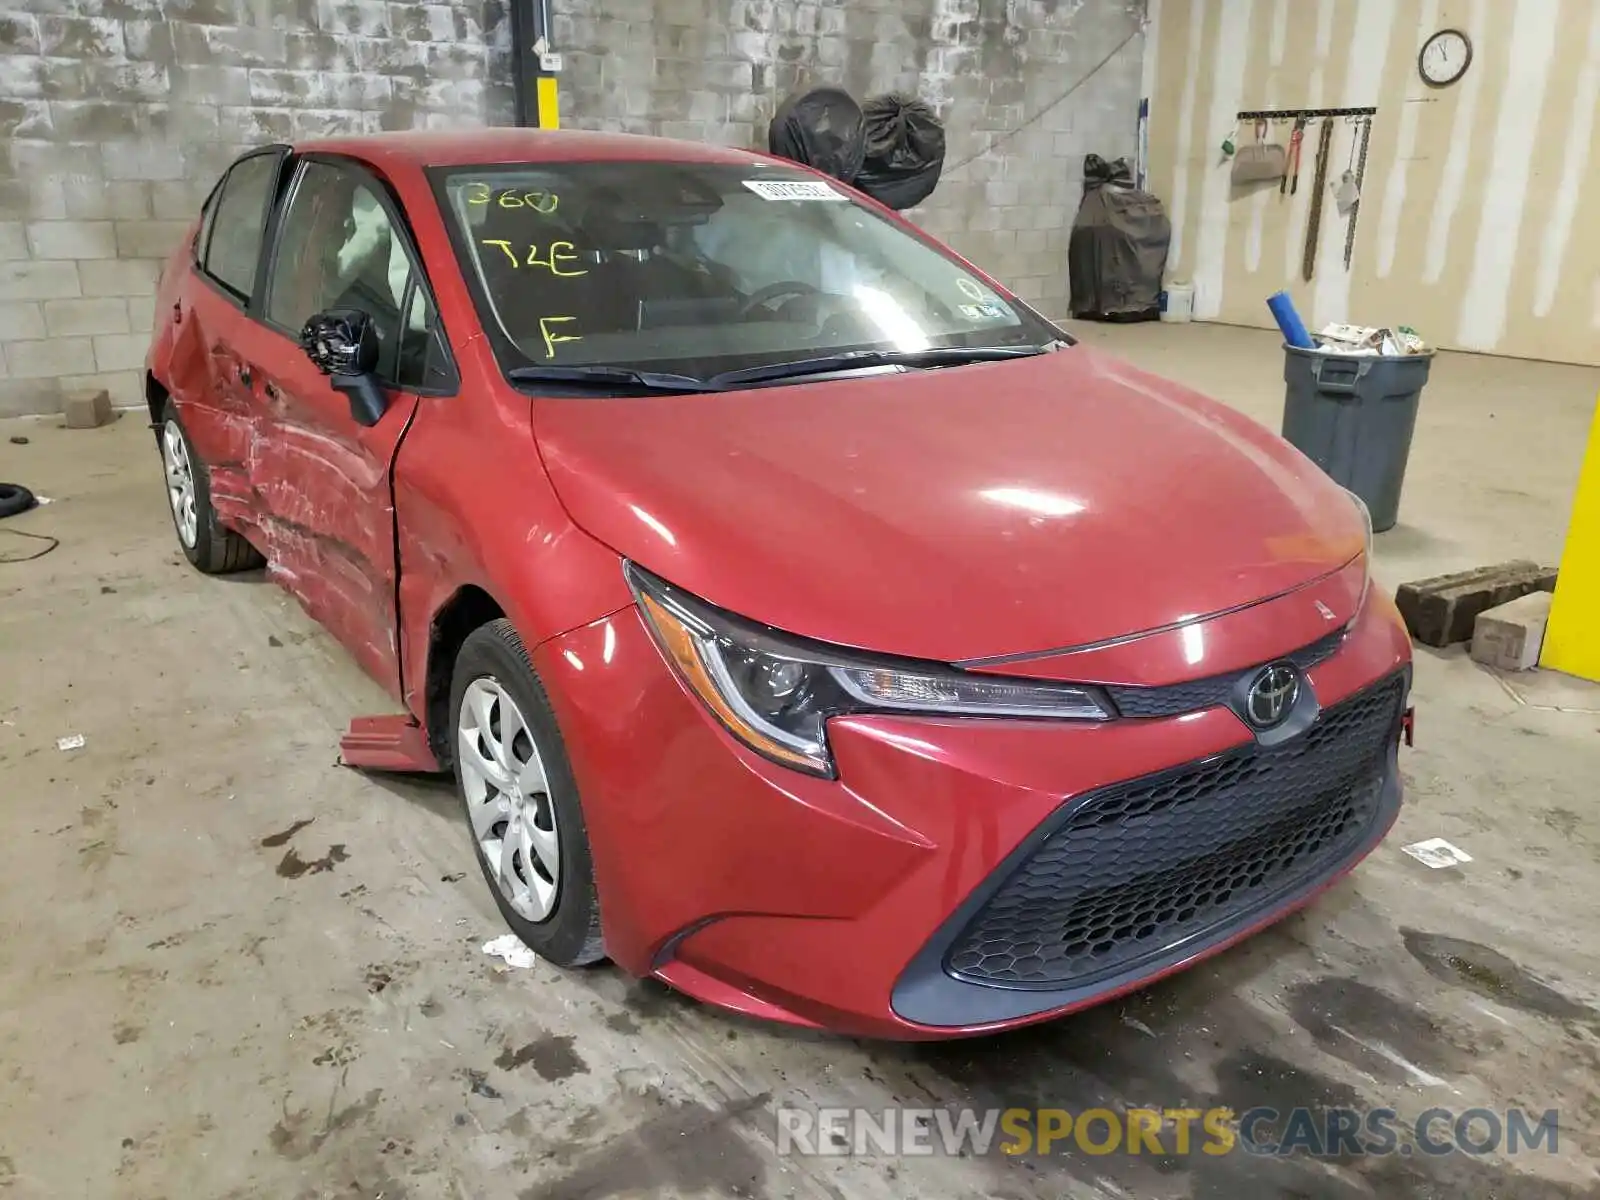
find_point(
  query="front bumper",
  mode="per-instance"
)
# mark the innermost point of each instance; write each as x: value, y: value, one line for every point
x: 871, y: 904
x: 1135, y: 879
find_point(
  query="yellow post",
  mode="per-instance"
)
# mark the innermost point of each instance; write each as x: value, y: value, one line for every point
x: 549, y: 117
x: 1572, y: 638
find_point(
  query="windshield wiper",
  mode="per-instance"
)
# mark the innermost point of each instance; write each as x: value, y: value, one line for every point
x: 599, y: 376
x: 849, y: 359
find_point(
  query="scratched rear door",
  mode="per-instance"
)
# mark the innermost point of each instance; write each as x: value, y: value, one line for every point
x: 202, y: 368
x: 324, y: 480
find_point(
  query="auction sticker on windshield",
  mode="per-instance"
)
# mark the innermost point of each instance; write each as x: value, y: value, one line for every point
x: 793, y: 189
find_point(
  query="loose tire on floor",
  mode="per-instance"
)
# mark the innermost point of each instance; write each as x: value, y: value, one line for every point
x: 205, y: 542
x: 14, y: 499
x: 520, y: 789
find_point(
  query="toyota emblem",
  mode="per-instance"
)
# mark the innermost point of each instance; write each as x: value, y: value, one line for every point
x: 1272, y: 695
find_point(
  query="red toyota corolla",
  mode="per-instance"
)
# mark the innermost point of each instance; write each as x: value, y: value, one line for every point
x: 807, y: 622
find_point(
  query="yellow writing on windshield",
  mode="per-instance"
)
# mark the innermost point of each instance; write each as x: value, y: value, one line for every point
x: 557, y: 255
x: 543, y: 203
x: 551, y: 338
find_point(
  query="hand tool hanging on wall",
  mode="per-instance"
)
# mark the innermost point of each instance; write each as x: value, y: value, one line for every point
x: 1291, y: 169
x: 1355, y: 209
x: 1347, y: 193
x: 1260, y: 161
x: 1319, y: 185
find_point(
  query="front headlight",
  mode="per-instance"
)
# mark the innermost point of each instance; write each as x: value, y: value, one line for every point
x: 775, y: 693
x: 1366, y: 551
x: 1366, y: 519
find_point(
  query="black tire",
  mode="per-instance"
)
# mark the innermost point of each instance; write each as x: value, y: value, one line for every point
x: 216, y: 550
x: 570, y: 935
x: 14, y: 499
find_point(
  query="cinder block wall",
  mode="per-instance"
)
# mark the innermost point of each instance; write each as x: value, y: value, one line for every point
x: 116, y: 116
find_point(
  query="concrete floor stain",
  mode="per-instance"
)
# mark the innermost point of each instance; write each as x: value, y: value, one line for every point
x: 552, y: 1056
x: 651, y: 1000
x: 687, y: 1149
x: 518, y: 1125
x: 1492, y: 974
x: 1358, y: 1023
x: 1563, y: 820
x: 1099, y: 1058
x: 273, y: 841
x: 1460, y: 1175
x: 622, y: 1022
x: 478, y: 1083
x: 293, y: 1138
x: 293, y: 866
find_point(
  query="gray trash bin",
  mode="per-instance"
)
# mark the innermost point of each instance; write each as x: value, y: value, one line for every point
x: 1353, y: 415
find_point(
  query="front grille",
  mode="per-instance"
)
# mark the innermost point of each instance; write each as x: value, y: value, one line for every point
x: 1139, y: 867
x: 1172, y: 699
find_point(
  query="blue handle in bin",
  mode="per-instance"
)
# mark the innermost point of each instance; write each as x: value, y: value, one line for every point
x: 1289, y: 322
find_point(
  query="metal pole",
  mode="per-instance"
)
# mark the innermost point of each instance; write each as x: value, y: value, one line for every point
x: 534, y: 65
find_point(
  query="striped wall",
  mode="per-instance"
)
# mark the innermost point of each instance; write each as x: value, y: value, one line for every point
x: 1479, y: 222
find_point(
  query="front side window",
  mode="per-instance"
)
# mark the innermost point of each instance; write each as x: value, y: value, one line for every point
x: 338, y: 248
x: 700, y: 269
x: 237, y: 224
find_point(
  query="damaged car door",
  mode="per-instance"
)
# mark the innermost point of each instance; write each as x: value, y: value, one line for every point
x: 340, y: 259
x: 208, y: 311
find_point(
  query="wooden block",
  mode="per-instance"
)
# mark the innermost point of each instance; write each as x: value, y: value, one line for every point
x: 1510, y: 636
x: 87, y: 409
x: 1441, y: 611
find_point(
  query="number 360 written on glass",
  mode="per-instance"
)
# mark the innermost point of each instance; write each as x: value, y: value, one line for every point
x: 541, y: 202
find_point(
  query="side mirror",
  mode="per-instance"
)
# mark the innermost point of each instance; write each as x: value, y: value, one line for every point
x: 342, y: 343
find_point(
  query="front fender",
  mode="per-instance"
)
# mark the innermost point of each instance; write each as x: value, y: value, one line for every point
x: 474, y: 508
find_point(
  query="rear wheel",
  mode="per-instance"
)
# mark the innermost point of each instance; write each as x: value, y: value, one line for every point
x: 521, y: 800
x: 206, y: 544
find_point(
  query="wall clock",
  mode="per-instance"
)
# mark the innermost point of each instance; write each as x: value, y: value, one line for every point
x: 1445, y: 58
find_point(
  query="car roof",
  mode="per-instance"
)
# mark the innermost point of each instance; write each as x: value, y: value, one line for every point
x: 461, y: 147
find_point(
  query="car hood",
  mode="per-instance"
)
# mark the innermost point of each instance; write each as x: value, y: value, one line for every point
x: 955, y: 513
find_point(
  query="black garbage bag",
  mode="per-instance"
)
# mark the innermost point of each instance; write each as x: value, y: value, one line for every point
x: 1118, y: 248
x: 905, y: 150
x: 822, y: 128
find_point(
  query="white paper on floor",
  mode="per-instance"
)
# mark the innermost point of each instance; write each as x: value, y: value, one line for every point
x: 74, y: 742
x: 511, y: 949
x: 1436, y: 852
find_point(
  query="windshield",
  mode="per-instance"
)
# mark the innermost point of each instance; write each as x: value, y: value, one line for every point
x: 704, y: 269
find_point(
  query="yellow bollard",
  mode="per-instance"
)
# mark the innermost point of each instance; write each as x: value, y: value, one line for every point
x: 1572, y: 637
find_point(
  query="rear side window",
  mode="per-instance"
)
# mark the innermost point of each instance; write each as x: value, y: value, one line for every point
x: 207, y: 215
x: 238, y: 224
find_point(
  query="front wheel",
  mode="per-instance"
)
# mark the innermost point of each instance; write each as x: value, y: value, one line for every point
x: 206, y: 544
x: 521, y: 800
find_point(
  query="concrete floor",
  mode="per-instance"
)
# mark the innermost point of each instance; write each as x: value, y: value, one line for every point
x: 230, y: 968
